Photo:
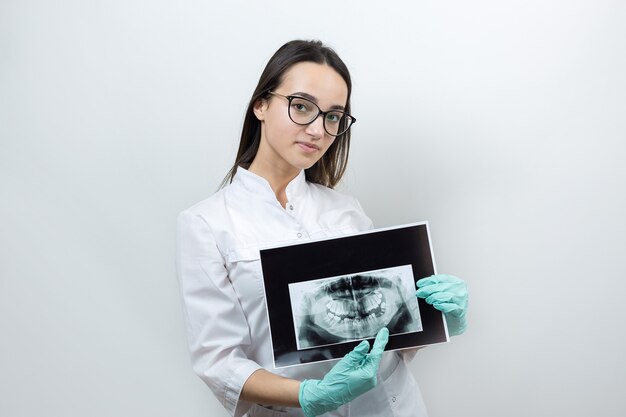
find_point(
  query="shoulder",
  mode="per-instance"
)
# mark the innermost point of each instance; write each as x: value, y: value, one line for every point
x: 205, y: 211
x: 333, y: 197
x: 208, y: 206
x: 338, y: 211
x: 198, y: 228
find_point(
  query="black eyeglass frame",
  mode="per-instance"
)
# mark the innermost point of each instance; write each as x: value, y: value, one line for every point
x: 319, y: 111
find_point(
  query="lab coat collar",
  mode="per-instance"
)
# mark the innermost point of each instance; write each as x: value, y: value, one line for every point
x: 256, y: 184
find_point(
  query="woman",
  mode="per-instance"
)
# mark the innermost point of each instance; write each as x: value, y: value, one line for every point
x: 293, y: 150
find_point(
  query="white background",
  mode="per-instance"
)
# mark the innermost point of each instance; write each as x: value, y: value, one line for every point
x: 502, y: 123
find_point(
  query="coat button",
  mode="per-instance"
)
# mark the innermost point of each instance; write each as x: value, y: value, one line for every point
x: 393, y: 399
x: 299, y: 235
x: 291, y: 207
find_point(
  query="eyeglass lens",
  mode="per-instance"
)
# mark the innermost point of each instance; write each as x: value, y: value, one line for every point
x: 303, y: 112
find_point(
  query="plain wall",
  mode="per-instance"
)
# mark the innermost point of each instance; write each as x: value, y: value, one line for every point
x: 501, y: 123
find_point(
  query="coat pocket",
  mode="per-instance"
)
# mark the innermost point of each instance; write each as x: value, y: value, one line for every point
x: 244, y: 271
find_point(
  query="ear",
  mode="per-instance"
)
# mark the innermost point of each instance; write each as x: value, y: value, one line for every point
x: 260, y: 106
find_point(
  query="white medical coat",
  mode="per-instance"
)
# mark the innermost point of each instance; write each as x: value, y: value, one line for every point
x: 221, y: 284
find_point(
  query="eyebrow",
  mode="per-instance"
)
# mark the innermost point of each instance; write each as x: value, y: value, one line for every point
x: 314, y: 100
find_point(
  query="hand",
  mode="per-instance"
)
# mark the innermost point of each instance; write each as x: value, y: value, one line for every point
x: 447, y: 294
x: 352, y: 376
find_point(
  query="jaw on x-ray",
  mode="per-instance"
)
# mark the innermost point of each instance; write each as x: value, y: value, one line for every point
x: 354, y: 307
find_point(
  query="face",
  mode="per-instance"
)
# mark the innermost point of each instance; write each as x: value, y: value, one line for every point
x: 286, y: 147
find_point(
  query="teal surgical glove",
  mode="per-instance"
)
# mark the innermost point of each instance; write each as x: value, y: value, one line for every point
x: 449, y: 295
x: 352, y: 376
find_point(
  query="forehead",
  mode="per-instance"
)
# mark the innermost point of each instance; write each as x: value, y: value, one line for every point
x: 319, y: 80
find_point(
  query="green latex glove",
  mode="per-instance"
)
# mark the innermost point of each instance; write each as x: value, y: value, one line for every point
x: 447, y: 294
x: 350, y: 377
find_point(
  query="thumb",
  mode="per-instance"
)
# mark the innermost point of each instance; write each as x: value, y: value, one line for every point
x: 358, y: 353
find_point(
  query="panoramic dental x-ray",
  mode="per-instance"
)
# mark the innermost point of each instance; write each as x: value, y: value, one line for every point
x: 354, y: 307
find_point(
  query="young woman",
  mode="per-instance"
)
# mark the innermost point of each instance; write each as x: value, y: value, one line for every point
x: 293, y: 150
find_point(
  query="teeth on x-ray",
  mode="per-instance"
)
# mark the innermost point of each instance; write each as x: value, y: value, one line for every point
x: 355, y: 306
x: 368, y: 308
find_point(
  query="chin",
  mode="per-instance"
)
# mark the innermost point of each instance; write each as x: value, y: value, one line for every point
x: 306, y: 164
x: 311, y: 161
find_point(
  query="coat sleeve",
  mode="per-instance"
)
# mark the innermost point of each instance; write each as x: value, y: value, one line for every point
x: 217, y: 330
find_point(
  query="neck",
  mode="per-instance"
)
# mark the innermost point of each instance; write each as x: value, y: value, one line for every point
x: 277, y: 178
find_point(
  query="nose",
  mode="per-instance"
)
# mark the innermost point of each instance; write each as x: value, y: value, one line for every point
x: 316, y: 127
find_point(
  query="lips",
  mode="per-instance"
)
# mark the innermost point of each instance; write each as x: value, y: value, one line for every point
x: 308, y: 147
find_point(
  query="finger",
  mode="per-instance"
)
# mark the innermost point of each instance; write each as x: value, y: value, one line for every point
x: 442, y: 301
x: 442, y: 297
x: 449, y: 308
x: 438, y: 278
x: 362, y: 348
x: 425, y: 291
x: 427, y: 281
x: 380, y: 342
x: 358, y: 353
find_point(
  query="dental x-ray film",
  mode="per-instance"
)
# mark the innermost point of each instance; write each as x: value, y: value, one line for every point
x: 324, y: 297
x: 354, y: 307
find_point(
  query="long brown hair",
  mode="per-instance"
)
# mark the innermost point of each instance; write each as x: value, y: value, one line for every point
x: 331, y: 167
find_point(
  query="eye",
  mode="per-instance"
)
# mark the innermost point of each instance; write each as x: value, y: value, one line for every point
x: 334, y: 117
x: 301, y: 105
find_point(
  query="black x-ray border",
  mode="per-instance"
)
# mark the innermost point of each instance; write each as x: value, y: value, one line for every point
x: 372, y: 250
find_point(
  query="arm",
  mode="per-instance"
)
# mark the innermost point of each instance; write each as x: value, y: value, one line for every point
x: 264, y: 387
x: 351, y: 377
x: 217, y: 330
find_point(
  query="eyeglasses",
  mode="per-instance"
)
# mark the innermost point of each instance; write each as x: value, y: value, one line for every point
x: 304, y: 112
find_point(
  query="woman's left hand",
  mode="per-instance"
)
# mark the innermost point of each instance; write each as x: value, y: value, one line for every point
x: 447, y: 294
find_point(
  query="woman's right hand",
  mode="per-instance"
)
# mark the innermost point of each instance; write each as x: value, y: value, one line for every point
x: 447, y: 294
x: 352, y: 376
